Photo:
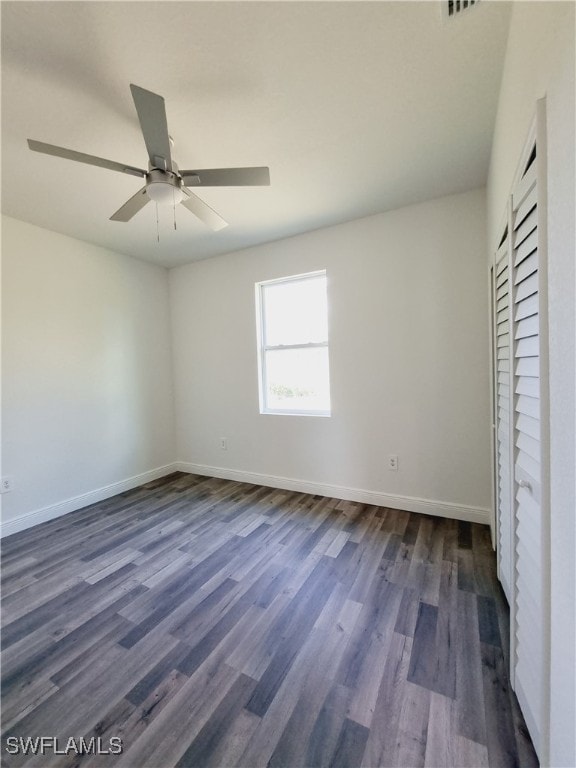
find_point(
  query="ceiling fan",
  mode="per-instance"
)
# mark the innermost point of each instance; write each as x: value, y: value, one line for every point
x: 165, y: 183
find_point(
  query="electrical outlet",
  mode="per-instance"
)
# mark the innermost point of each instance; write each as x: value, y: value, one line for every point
x: 224, y: 443
x: 393, y: 462
x: 6, y: 485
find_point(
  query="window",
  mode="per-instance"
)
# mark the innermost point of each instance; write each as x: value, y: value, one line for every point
x: 293, y: 345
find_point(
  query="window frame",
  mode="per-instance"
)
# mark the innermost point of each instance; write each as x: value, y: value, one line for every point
x: 263, y: 347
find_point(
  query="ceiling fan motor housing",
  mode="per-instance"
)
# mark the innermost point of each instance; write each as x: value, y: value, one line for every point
x: 164, y: 187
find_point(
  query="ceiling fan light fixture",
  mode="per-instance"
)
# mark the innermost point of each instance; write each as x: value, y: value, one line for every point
x: 165, y: 184
x: 164, y: 193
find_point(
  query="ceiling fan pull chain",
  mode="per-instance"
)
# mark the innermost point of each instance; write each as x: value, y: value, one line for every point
x: 157, y: 224
x: 174, y: 206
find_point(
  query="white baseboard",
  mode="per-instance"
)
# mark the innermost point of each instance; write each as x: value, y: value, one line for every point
x: 8, y: 527
x: 407, y: 503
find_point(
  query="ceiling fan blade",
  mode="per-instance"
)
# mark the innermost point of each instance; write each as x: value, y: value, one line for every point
x: 227, y: 177
x: 80, y: 157
x: 203, y: 211
x: 132, y: 206
x: 152, y: 116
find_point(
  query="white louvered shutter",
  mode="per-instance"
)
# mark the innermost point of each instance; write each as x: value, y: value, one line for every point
x: 502, y: 370
x: 526, y: 413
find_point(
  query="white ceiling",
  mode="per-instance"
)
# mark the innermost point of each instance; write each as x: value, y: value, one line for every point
x: 356, y: 107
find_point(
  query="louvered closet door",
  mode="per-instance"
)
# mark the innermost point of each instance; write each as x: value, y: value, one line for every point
x: 527, y: 449
x: 502, y: 370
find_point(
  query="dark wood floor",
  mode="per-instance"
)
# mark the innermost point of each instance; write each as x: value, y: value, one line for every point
x: 214, y: 623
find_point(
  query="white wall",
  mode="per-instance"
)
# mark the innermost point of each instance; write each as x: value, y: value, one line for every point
x: 408, y: 358
x: 86, y: 361
x: 540, y: 62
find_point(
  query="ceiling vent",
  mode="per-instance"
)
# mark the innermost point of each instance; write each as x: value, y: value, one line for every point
x: 454, y: 8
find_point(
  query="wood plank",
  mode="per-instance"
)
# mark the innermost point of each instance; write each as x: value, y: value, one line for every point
x: 441, y: 748
x: 311, y: 669
x: 410, y: 747
x: 239, y: 732
x: 488, y: 621
x: 202, y: 748
x: 292, y: 630
x: 500, y: 737
x: 350, y: 745
x: 182, y: 719
x: 332, y: 633
x: 327, y: 728
x: 471, y: 722
x: 217, y: 623
x: 382, y: 739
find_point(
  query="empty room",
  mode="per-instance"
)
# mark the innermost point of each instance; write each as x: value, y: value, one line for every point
x: 288, y: 471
